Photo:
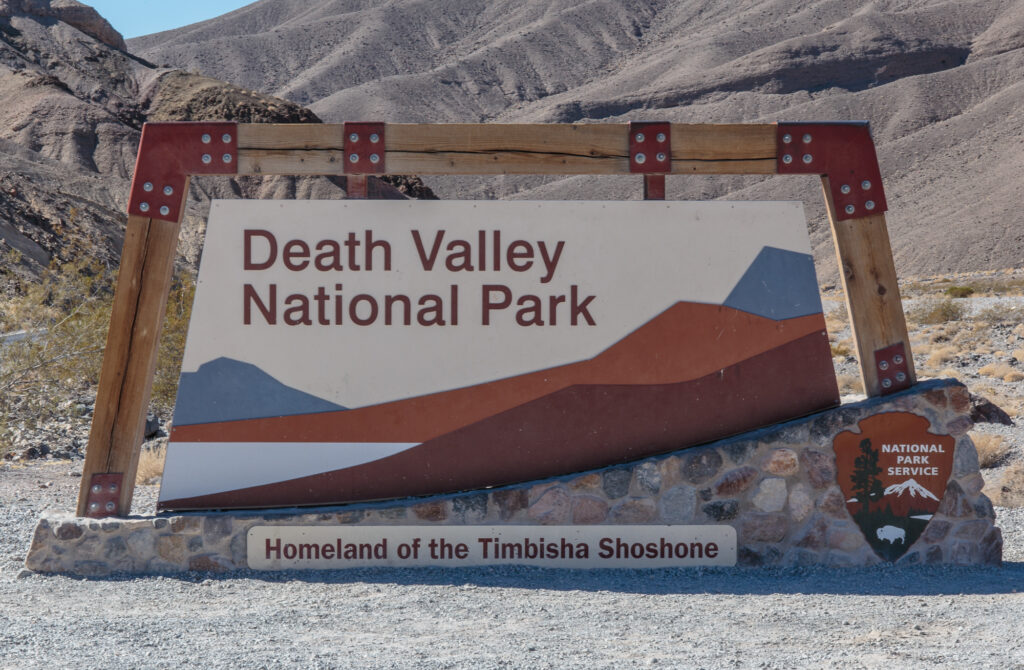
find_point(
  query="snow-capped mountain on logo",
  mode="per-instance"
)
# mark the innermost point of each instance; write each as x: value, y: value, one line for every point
x: 912, y: 487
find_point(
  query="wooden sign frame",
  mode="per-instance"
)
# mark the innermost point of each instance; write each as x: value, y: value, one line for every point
x: 842, y: 154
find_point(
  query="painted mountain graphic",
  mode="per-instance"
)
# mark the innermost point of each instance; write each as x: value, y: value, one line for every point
x: 909, y: 497
x: 228, y: 390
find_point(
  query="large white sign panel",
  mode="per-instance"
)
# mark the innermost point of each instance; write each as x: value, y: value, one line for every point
x: 325, y: 548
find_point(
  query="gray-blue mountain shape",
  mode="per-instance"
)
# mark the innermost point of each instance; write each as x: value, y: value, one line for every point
x: 779, y: 284
x: 228, y: 390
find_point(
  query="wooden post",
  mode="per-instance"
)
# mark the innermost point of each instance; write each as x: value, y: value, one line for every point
x: 129, y: 360
x: 868, y: 273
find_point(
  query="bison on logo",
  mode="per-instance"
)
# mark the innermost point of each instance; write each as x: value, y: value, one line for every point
x: 893, y: 474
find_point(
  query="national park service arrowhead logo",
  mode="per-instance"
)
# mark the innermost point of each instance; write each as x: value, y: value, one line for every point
x: 893, y: 474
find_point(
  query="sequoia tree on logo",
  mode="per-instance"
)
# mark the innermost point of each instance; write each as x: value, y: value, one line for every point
x: 866, y: 483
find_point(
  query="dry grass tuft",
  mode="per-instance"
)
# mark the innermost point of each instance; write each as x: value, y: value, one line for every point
x: 842, y: 348
x: 1014, y: 376
x: 849, y: 384
x: 992, y: 449
x: 937, y: 311
x: 996, y: 370
x: 941, y: 356
x: 1018, y: 330
x: 1019, y: 354
x: 151, y: 465
x: 1007, y: 490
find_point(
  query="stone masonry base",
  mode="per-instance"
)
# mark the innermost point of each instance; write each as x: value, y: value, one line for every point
x: 776, y: 486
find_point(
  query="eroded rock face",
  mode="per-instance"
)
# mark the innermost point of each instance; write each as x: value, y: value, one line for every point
x: 73, y: 13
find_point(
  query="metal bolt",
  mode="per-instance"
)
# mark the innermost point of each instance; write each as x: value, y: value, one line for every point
x: 870, y: 204
x: 661, y: 137
x: 844, y: 189
x: 883, y: 365
x: 96, y: 488
x: 207, y: 159
x: 850, y: 209
x: 639, y: 137
x: 165, y: 210
x: 374, y: 158
x: 168, y: 190
x: 901, y: 377
x: 144, y: 207
x: 206, y: 138
x: 865, y: 184
x: 147, y: 187
x: 354, y: 137
x: 661, y: 158
x: 226, y: 138
x: 807, y: 138
x: 787, y: 138
x: 375, y: 138
x: 640, y: 159
x: 886, y: 383
x: 787, y: 159
x: 353, y: 158
x: 897, y: 359
x: 113, y: 488
x: 110, y: 506
x: 227, y: 158
x: 808, y: 158
x: 93, y: 507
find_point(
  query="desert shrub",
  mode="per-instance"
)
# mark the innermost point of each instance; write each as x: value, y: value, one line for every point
x: 151, y: 465
x: 63, y: 320
x: 1007, y: 489
x: 992, y: 449
x: 941, y: 356
x: 937, y: 311
x: 1002, y: 371
x: 1001, y: 315
x: 841, y: 349
x: 849, y: 384
x: 959, y: 291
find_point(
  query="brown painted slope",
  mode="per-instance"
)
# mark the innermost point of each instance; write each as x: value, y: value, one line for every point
x: 574, y: 429
x: 686, y: 341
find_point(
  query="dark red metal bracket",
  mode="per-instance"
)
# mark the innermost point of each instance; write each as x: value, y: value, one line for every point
x: 104, y: 493
x: 169, y: 153
x: 893, y: 372
x: 845, y: 153
x: 364, y: 148
x: 650, y: 147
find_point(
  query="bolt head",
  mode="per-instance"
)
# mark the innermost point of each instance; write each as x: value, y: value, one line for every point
x: 897, y: 359
x: 901, y: 377
x: 227, y: 158
x: 639, y: 137
x: 226, y: 138
x: 207, y: 159
x: 640, y: 159
x: 206, y: 138
x: 787, y: 138
x: 353, y: 158
x: 110, y: 506
x: 96, y: 488
x: 807, y: 138
x: 883, y: 365
x: 850, y: 209
x: 147, y: 187
x: 144, y: 207
x: 113, y: 488
x: 662, y: 137
x: 93, y: 507
x: 844, y: 189
x: 661, y: 157
x: 870, y: 204
x: 865, y: 184
x: 168, y: 190
x: 165, y: 210
x: 353, y: 137
x: 886, y: 383
x: 374, y: 158
x: 375, y: 138
x: 808, y: 158
x: 787, y: 159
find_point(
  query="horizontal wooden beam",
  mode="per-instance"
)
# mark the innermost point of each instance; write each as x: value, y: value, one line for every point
x: 506, y: 149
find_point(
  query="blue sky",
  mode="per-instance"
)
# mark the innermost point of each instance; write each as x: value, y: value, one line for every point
x: 133, y: 18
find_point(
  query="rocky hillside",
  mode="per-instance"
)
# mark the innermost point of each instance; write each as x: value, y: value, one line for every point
x: 74, y: 104
x: 940, y: 80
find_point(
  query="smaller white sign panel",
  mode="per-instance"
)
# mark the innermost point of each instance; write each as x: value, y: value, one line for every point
x: 334, y: 547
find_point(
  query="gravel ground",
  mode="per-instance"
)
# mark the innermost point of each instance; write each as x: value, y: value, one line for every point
x: 499, y: 617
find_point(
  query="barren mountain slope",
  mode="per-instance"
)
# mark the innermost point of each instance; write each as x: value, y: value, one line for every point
x: 74, y: 103
x: 939, y: 80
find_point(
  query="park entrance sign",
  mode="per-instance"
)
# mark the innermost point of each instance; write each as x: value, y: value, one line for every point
x: 386, y: 349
